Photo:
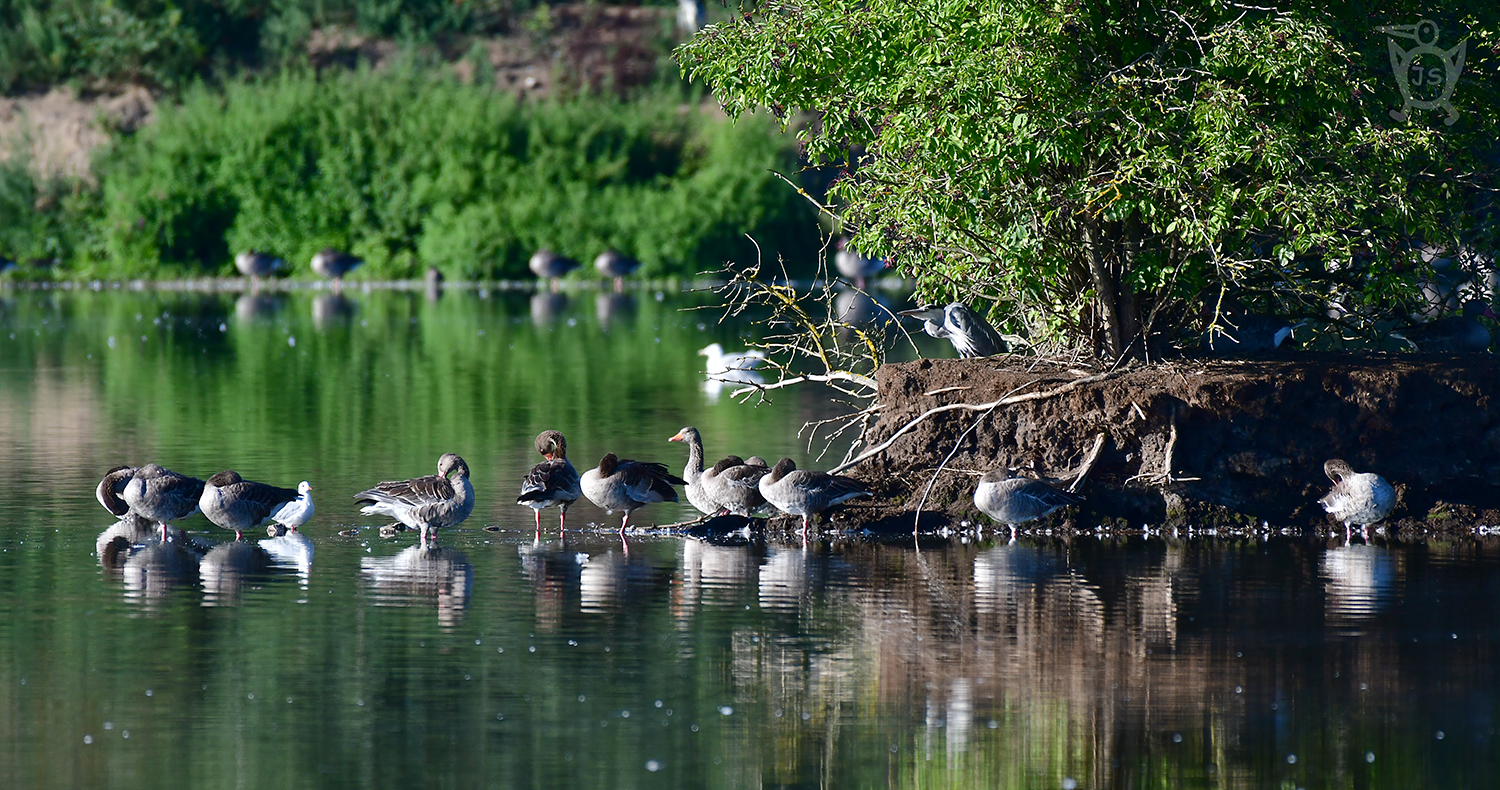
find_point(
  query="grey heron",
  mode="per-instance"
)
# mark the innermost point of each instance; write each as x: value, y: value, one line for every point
x: 971, y: 335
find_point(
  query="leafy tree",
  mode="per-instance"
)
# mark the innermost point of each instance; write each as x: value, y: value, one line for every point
x: 1106, y: 172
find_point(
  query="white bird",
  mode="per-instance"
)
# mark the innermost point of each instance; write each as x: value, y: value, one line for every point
x: 690, y: 16
x: 298, y: 511
x: 1362, y: 498
x: 726, y: 366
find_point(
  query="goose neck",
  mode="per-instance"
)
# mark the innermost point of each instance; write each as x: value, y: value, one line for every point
x: 694, y: 469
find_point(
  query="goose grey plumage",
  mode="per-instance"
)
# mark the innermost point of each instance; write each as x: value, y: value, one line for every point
x: 1455, y: 334
x: 735, y: 485
x: 153, y: 493
x: 692, y: 474
x: 970, y: 335
x: 425, y: 503
x: 332, y: 264
x: 549, y: 266
x: 551, y: 482
x: 1362, y: 498
x: 853, y: 266
x: 256, y: 264
x: 232, y: 502
x: 806, y: 493
x: 1013, y: 500
x: 615, y: 265
x: 626, y: 485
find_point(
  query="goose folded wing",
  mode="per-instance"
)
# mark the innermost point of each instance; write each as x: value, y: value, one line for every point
x: 263, y: 500
x: 744, y: 476
x: 649, y: 482
x: 547, y: 477
x: 412, y: 493
x: 1046, y: 496
x: 834, y: 488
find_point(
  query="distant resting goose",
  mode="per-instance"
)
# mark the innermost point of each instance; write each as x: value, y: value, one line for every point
x: 153, y: 493
x: 332, y: 264
x: 425, y: 503
x: 232, y: 502
x: 256, y: 264
x: 971, y: 335
x: 553, y: 482
x: 550, y: 266
x: 614, y: 265
x: 1455, y: 334
x: 853, y: 266
x: 1362, y: 498
x: 806, y: 493
x: 1013, y: 500
x: 626, y: 485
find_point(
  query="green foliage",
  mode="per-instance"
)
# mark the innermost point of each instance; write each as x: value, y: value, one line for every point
x: 41, y: 221
x: 1104, y: 171
x: 407, y: 170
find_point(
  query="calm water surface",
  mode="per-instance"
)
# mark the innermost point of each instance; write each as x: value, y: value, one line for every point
x: 502, y: 661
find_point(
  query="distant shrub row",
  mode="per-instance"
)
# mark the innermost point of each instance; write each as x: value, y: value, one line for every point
x: 408, y: 171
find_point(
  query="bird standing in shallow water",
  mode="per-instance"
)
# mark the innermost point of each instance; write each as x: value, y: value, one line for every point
x: 1362, y: 498
x: 151, y: 492
x: 626, y: 485
x: 616, y: 266
x: 425, y: 503
x: 805, y: 493
x: 551, y: 482
x: 332, y: 264
x: 550, y: 266
x: 256, y: 264
x: 298, y: 511
x: 232, y: 502
x: 729, y: 485
x: 1013, y: 500
x: 970, y: 335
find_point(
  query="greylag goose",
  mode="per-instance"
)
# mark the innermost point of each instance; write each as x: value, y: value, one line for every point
x: 153, y: 493
x: 625, y: 485
x: 256, y: 264
x: 806, y: 493
x: 551, y: 482
x: 1248, y: 333
x: 853, y: 266
x: 970, y: 335
x: 332, y: 264
x: 434, y: 283
x: 1362, y: 498
x: 1452, y: 335
x: 550, y: 266
x: 614, y: 265
x: 232, y: 502
x: 735, y: 485
x: 692, y: 474
x: 1013, y: 500
x: 425, y: 503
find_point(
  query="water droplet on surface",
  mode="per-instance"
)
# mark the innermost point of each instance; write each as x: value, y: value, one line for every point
x: 109, y: 725
x: 88, y: 739
x: 1439, y: 735
x: 149, y: 692
x: 580, y: 698
x: 1069, y: 783
x: 531, y: 649
x: 1176, y: 737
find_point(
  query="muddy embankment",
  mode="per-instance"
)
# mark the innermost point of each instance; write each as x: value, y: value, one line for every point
x: 1206, y: 443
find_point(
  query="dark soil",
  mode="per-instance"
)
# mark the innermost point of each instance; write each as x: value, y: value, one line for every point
x: 1251, y: 437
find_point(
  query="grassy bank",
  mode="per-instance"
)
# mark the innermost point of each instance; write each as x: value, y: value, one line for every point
x: 408, y: 170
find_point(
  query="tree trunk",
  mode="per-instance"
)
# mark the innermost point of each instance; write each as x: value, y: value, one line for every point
x: 1105, y: 291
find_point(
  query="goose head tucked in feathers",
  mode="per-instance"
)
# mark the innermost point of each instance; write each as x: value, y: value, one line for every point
x: 782, y: 468
x: 228, y: 477
x: 552, y: 445
x: 450, y: 463
x: 112, y: 487
x: 728, y: 463
x: 608, y: 464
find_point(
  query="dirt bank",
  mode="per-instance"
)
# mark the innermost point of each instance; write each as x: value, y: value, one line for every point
x: 1199, y: 442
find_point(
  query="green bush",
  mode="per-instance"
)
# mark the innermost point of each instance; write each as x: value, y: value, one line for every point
x: 408, y: 170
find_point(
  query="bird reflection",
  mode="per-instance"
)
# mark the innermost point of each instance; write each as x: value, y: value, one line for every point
x: 433, y: 284
x: 1358, y: 581
x: 552, y: 570
x: 228, y: 568
x: 785, y: 577
x: 609, y: 307
x: 417, y: 574
x: 157, y: 568
x: 858, y: 308
x: 547, y: 306
x: 291, y: 551
x: 715, y: 574
x: 608, y: 579
x: 115, y: 544
x: 332, y: 308
x: 1003, y: 573
x: 257, y: 306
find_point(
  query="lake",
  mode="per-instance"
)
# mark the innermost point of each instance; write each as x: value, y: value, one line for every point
x: 503, y: 660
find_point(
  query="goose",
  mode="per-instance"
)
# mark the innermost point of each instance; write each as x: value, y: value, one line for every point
x: 425, y: 503
x: 256, y: 264
x: 1362, y: 498
x: 1248, y: 333
x: 735, y: 485
x: 551, y: 482
x: 805, y: 493
x: 232, y: 502
x: 623, y: 484
x: 692, y: 474
x: 853, y: 266
x: 1454, y: 334
x: 971, y: 335
x: 332, y: 264
x: 298, y: 511
x: 728, y: 366
x: 153, y: 493
x: 1013, y: 500
x: 616, y: 266
x: 549, y: 266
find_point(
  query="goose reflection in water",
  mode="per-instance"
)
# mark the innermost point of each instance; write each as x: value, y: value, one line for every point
x: 333, y: 308
x: 1358, y: 581
x: 291, y: 551
x: 610, y: 307
x: 607, y: 580
x: 229, y: 568
x: 253, y: 307
x: 417, y: 574
x: 131, y: 550
x: 714, y: 575
x: 788, y: 577
x: 552, y: 570
x: 547, y: 307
